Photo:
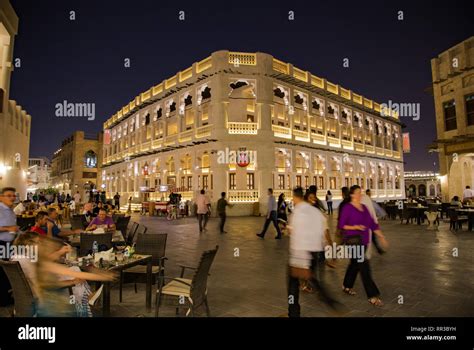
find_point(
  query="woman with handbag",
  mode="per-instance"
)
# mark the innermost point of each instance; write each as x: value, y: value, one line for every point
x: 355, y: 222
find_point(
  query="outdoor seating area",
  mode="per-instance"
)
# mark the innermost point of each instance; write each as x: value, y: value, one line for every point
x: 430, y: 212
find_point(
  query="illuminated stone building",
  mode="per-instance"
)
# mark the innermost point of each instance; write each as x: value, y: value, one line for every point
x: 303, y: 130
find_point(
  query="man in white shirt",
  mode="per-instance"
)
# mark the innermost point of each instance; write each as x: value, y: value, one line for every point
x: 77, y: 198
x: 203, y: 208
x: 467, y: 193
x: 307, y: 240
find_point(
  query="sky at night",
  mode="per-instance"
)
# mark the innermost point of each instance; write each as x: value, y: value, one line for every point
x: 83, y: 60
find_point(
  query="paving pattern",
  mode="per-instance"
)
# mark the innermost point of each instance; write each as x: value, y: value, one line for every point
x: 425, y: 273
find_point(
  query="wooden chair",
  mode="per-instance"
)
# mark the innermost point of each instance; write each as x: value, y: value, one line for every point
x: 25, y: 301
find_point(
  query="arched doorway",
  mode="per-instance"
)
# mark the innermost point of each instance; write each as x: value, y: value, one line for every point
x: 412, y: 190
x: 432, y: 190
x: 422, y: 190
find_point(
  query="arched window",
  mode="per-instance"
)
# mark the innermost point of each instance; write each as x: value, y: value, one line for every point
x: 90, y: 159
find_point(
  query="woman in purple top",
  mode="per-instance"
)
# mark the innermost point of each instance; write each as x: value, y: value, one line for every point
x: 355, y: 222
x: 101, y: 220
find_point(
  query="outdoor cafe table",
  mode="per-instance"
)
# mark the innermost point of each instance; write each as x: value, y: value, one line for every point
x: 419, y: 213
x: 117, y: 238
x: 470, y: 215
x: 116, y: 266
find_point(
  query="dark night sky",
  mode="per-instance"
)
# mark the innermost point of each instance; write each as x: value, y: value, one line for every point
x: 82, y: 60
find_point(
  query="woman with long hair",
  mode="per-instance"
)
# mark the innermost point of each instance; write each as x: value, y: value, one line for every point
x: 355, y: 223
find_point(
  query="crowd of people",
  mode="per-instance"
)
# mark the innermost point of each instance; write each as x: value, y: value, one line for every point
x: 53, y: 283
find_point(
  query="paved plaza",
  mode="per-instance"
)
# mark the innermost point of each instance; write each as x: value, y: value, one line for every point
x: 420, y: 268
x: 248, y: 277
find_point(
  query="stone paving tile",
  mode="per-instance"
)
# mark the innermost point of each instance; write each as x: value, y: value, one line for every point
x: 248, y: 277
x: 431, y: 281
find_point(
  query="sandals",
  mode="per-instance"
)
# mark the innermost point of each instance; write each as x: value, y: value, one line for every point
x: 306, y: 288
x: 349, y: 291
x: 375, y: 301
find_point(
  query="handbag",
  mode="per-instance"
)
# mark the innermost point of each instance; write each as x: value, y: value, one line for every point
x: 300, y: 273
x: 353, y: 240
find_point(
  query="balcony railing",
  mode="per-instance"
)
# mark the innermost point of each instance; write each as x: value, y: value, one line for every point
x: 359, y: 147
x: 157, y: 143
x: 171, y: 139
x: 318, y: 137
x: 346, y: 143
x: 396, y: 154
x: 300, y: 134
x: 380, y: 151
x: 203, y: 131
x: 389, y: 153
x: 288, y: 193
x: 249, y: 196
x: 145, y: 146
x: 334, y: 140
x: 186, y: 136
x: 242, y: 128
x: 370, y: 148
x: 281, y: 131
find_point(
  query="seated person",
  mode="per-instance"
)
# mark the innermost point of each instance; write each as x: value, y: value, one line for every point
x: 102, y: 221
x: 53, y: 229
x: 96, y: 210
x: 41, y: 221
x: 456, y: 202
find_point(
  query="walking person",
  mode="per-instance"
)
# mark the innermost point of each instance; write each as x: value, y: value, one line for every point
x: 308, y: 228
x: 203, y: 208
x: 372, y: 208
x: 8, y: 231
x: 282, y: 209
x: 355, y: 222
x: 329, y: 202
x: 221, y: 211
x: 271, y: 216
x: 117, y: 200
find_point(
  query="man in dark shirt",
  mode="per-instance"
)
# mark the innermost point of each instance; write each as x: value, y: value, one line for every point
x: 96, y: 210
x: 117, y: 200
x: 221, y: 207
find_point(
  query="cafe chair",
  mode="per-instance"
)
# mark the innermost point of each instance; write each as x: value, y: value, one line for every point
x: 131, y: 233
x: 408, y: 215
x: 455, y: 220
x: 147, y: 244
x: 121, y: 224
x: 25, y: 301
x: 77, y: 223
x: 188, y: 293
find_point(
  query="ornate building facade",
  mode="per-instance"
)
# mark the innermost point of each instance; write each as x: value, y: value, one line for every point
x: 244, y: 122
x: 453, y: 89
x: 15, y: 123
x: 422, y: 184
x: 76, y: 165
